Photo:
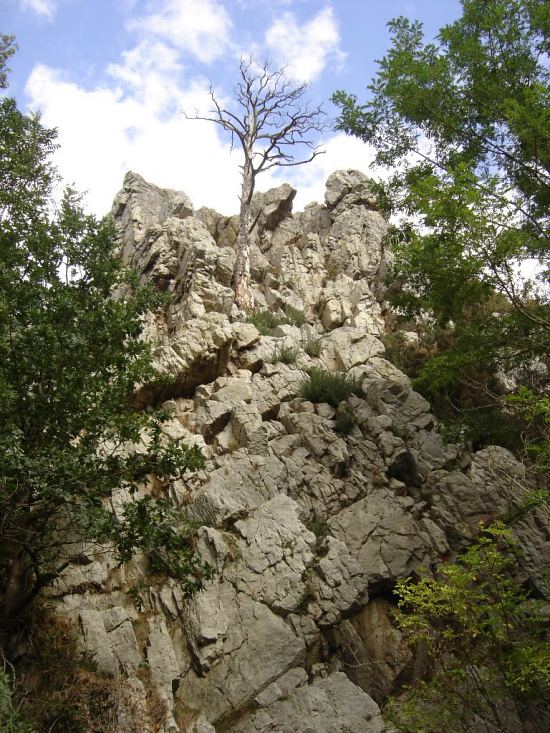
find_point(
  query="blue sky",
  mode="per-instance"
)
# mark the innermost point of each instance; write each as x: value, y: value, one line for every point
x: 113, y: 76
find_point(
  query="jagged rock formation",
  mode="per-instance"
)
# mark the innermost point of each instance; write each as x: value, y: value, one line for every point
x: 307, y: 530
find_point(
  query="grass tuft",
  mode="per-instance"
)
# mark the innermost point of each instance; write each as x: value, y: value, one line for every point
x: 285, y: 355
x: 294, y: 316
x: 344, y: 421
x: 313, y: 347
x: 331, y: 387
x: 265, y: 321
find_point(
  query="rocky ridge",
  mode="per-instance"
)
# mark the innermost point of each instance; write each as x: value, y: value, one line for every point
x: 307, y: 529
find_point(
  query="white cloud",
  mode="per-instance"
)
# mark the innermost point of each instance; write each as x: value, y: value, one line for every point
x: 46, y: 8
x: 199, y: 27
x: 108, y: 130
x: 134, y: 121
x: 306, y: 49
x: 149, y: 71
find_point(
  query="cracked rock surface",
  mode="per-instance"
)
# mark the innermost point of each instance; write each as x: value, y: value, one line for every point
x: 306, y: 529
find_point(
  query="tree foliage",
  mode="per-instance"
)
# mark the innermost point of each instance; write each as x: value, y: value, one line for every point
x: 486, y: 642
x: 74, y: 451
x: 274, y: 127
x: 465, y: 123
x: 7, y: 49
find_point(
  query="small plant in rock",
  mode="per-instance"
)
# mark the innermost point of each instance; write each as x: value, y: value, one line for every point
x: 345, y: 420
x: 331, y: 387
x: 313, y: 347
x: 265, y: 321
x: 295, y: 316
x: 318, y: 526
x: 285, y: 355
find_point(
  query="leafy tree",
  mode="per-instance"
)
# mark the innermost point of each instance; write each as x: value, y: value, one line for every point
x: 74, y: 450
x: 486, y: 643
x: 465, y: 124
x: 7, y: 49
x: 274, y: 127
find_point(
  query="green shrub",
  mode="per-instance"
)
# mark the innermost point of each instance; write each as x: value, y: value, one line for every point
x: 331, y: 387
x: 313, y: 347
x: 318, y: 526
x: 285, y: 355
x: 295, y: 317
x: 10, y: 720
x: 484, y: 640
x: 344, y: 421
x: 265, y: 321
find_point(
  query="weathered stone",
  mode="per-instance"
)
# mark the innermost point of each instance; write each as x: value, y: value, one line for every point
x: 140, y: 205
x: 248, y: 429
x: 274, y: 555
x: 212, y: 416
x: 245, y: 335
x: 122, y: 639
x: 373, y: 650
x: 97, y: 641
x: 349, y: 347
x: 233, y: 489
x: 331, y: 705
x: 196, y: 356
x: 350, y: 186
x: 300, y: 524
x: 258, y: 649
x: 273, y: 206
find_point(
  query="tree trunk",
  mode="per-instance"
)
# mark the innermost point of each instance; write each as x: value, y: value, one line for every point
x: 241, y: 273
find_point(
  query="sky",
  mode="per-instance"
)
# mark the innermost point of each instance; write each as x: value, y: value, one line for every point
x: 116, y: 76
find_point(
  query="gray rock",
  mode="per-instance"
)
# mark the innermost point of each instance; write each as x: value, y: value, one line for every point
x: 331, y: 705
x: 273, y: 206
x: 140, y: 205
x: 258, y: 649
x: 349, y: 347
x: 351, y: 186
x: 97, y: 641
x: 274, y: 555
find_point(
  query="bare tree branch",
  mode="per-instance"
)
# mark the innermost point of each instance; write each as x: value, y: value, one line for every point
x: 275, y: 128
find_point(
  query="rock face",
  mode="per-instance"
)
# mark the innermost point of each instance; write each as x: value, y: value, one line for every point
x: 306, y: 529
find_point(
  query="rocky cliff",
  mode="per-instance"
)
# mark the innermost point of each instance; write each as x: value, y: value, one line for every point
x: 307, y: 528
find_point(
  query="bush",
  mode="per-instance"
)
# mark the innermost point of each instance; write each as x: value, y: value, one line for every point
x: 485, y: 642
x: 313, y: 347
x: 285, y: 355
x: 10, y: 720
x: 331, y: 387
x: 345, y: 420
x: 295, y: 317
x: 265, y: 321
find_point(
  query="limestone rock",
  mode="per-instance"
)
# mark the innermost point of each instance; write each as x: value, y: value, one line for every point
x: 331, y: 705
x: 349, y: 186
x: 258, y: 649
x: 373, y: 650
x: 274, y: 555
x: 348, y: 347
x: 273, y: 206
x: 306, y: 529
x: 195, y: 357
x: 140, y: 205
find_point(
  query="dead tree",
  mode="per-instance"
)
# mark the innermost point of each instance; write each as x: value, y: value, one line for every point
x: 274, y: 126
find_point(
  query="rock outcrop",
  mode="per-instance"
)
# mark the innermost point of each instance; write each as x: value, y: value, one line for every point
x: 307, y: 529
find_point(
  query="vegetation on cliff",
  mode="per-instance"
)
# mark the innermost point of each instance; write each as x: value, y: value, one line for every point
x: 463, y: 122
x: 70, y: 359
